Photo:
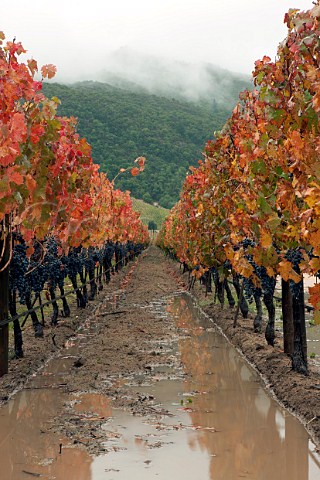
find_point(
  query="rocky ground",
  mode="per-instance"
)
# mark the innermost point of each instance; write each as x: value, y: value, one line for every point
x: 113, y: 337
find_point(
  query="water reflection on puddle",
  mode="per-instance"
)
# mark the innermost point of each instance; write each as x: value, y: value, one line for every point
x: 223, y: 426
x: 215, y: 423
x: 26, y: 450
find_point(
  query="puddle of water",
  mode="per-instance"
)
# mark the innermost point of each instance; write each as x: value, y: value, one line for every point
x: 222, y: 424
x: 27, y: 451
x: 27, y: 448
x: 94, y: 403
x: 210, y: 419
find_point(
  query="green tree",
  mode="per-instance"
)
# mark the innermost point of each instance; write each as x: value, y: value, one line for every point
x: 152, y: 226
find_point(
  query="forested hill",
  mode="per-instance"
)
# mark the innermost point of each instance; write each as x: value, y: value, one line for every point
x: 122, y: 125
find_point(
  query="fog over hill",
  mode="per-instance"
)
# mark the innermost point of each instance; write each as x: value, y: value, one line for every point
x: 158, y: 108
x: 200, y: 83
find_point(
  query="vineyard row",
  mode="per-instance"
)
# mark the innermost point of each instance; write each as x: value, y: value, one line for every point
x: 251, y: 210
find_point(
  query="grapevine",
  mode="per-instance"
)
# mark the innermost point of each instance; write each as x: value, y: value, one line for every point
x: 257, y: 186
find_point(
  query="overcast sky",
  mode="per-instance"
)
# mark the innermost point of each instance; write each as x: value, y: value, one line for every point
x: 76, y: 35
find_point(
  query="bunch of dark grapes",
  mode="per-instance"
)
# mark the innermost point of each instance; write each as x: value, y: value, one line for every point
x: 247, y: 243
x: 249, y: 289
x: 268, y: 283
x: 108, y: 251
x: 36, y: 277
x: 100, y: 252
x: 53, y: 264
x: 89, y: 260
x: 74, y: 262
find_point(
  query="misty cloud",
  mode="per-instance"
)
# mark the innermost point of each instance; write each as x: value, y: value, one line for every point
x: 195, y: 82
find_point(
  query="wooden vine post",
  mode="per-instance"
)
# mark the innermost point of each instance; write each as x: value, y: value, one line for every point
x: 287, y: 316
x: 4, y: 296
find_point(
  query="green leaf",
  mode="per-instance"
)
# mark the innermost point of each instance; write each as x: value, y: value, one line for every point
x: 258, y: 166
x: 263, y: 205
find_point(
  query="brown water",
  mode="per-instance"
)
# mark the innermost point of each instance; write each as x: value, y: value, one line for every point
x: 220, y: 425
x: 26, y: 450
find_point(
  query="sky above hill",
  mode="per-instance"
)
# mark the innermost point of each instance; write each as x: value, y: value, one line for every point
x: 78, y: 36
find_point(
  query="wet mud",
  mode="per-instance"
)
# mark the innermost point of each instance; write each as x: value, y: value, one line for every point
x: 147, y: 388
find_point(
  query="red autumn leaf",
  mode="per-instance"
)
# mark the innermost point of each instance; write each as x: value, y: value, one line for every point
x: 37, y: 86
x: 140, y: 161
x: 36, y: 132
x: 18, y: 127
x: 31, y: 184
x: 30, y: 251
x: 15, y: 177
x: 48, y: 71
x: 14, y: 48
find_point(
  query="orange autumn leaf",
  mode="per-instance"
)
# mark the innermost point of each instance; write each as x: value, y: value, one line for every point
x: 314, y: 239
x: 30, y: 251
x: 48, y: 71
x: 15, y: 177
x: 18, y: 127
x: 315, y: 264
x: 286, y: 271
x: 33, y: 66
x: 31, y: 184
x: 314, y: 296
x: 265, y: 239
x: 140, y: 161
x: 135, y: 171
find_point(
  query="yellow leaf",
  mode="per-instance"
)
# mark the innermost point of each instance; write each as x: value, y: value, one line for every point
x: 315, y: 264
x: 270, y: 272
x: 265, y: 239
x: 229, y: 252
x: 286, y: 271
x: 200, y: 208
x: 314, y: 240
x: 244, y: 268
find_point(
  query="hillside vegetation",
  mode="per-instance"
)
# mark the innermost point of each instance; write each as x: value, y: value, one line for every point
x: 122, y: 125
x: 150, y: 213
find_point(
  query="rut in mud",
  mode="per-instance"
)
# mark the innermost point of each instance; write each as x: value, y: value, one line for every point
x: 181, y: 390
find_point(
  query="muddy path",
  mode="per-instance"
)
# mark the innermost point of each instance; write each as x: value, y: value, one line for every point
x: 97, y: 346
x: 37, y: 351
x: 140, y: 349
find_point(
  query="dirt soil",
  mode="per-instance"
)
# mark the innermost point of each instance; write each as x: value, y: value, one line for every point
x: 121, y: 334
x: 37, y: 351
